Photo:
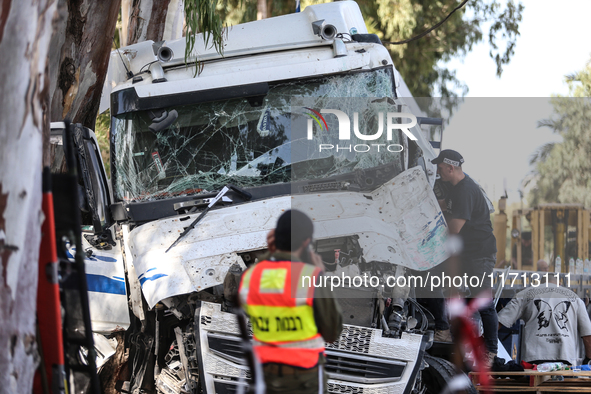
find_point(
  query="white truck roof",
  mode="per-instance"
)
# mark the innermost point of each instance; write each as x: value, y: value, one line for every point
x: 269, y: 36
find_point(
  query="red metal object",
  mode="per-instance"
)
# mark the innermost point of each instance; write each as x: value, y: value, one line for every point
x: 48, y: 303
x: 462, y: 314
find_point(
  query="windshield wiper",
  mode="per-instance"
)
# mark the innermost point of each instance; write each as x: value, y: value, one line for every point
x: 194, y: 204
x: 246, y: 195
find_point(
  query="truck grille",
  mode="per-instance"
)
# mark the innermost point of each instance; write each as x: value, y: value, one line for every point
x: 353, y: 339
x: 340, y: 365
x: 361, y: 369
x: 342, y: 389
x: 227, y: 347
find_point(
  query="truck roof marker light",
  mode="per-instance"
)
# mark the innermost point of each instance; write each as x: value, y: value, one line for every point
x: 324, y: 30
x: 316, y: 119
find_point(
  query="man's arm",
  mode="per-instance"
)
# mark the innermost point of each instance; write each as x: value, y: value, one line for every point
x: 442, y: 205
x: 461, y: 204
x: 455, y: 225
x: 327, y: 314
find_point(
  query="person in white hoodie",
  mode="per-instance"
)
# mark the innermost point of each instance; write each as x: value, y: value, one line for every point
x: 555, y: 320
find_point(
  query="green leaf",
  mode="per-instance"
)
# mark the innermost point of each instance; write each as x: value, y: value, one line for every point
x: 201, y: 17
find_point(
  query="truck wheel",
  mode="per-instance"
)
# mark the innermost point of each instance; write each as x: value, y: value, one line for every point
x: 439, y: 372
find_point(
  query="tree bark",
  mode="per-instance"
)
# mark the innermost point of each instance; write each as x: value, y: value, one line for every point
x: 116, y: 368
x: 25, y: 31
x: 261, y: 9
x: 79, y: 58
x: 144, y: 20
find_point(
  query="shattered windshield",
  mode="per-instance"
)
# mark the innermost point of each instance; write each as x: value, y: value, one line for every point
x: 209, y: 145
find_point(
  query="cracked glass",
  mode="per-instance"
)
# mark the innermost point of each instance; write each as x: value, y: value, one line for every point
x: 210, y: 145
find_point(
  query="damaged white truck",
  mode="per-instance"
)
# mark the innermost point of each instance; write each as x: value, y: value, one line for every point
x: 257, y: 119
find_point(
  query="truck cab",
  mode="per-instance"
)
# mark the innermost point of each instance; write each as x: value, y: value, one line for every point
x: 268, y: 117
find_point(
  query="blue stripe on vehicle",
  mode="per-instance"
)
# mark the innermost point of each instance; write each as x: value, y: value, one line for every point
x: 157, y: 276
x: 104, y: 284
x: 141, y: 275
x: 107, y: 259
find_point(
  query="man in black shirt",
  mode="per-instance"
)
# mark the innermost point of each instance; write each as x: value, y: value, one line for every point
x: 468, y: 216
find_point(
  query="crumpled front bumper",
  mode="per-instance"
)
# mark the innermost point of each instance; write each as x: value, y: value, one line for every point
x: 361, y: 361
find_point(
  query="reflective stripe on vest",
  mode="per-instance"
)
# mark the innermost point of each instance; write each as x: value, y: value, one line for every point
x: 313, y: 343
x: 278, y: 298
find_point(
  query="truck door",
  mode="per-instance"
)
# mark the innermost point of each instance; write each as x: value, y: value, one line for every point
x: 103, y: 258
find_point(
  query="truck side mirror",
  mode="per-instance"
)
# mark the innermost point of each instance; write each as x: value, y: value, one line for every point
x: 92, y: 172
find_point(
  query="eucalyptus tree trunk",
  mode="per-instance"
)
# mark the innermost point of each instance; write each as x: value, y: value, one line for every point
x: 155, y: 20
x: 25, y: 31
x: 261, y: 9
x: 79, y: 58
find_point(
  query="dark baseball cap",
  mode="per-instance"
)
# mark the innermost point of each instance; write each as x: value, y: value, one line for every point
x: 449, y: 156
x: 293, y: 228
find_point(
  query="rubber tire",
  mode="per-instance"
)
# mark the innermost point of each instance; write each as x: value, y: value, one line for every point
x: 439, y: 372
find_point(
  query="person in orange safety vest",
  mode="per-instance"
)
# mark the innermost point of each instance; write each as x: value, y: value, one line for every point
x: 291, y: 319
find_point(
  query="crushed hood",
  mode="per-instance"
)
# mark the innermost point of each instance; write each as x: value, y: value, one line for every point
x: 400, y: 222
